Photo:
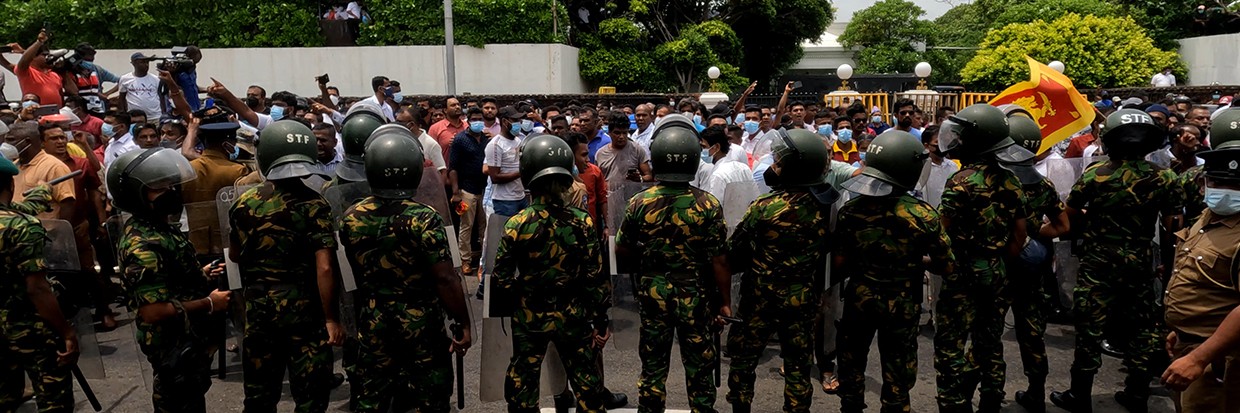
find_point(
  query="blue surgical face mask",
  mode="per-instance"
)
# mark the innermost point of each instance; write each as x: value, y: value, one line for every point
x: 845, y: 135
x: 862, y: 154
x: 575, y: 170
x: 706, y: 156
x: 604, y: 129
x: 740, y: 118
x: 697, y: 119
x: 106, y: 129
x: 131, y: 128
x: 397, y: 97
x: 751, y: 127
x: 515, y: 129
x: 29, y: 103
x: 527, y: 125
x: 476, y: 126
x: 1224, y: 202
x: 277, y: 112
x: 1215, y: 98
x: 824, y: 130
x: 235, y: 153
x: 876, y: 119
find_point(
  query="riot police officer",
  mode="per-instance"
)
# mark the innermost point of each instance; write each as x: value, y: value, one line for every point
x: 780, y: 246
x: 678, y: 235
x: 405, y: 283
x: 35, y: 338
x: 1125, y: 197
x: 885, y: 233
x: 359, y: 123
x: 983, y: 213
x: 283, y: 241
x: 549, y: 278
x: 177, y: 328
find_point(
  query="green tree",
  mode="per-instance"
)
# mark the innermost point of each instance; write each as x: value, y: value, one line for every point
x: 617, y: 55
x: 772, y: 32
x: 476, y: 22
x: 886, y: 33
x: 1105, y: 51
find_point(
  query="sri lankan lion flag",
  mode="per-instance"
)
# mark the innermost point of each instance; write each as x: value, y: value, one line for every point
x: 1052, y: 100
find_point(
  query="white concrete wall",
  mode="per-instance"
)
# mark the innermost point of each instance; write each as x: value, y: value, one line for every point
x: 495, y: 69
x: 1212, y: 59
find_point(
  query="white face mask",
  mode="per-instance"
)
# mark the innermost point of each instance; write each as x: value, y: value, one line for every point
x: 335, y: 100
x: 1224, y: 202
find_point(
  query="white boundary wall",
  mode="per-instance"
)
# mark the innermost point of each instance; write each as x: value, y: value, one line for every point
x: 1212, y: 59
x: 495, y: 69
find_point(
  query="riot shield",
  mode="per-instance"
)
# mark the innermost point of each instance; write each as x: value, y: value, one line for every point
x: 72, y: 288
x: 203, y: 219
x: 430, y: 192
x: 341, y: 197
x: 737, y: 197
x: 224, y: 200
x: 1064, y: 173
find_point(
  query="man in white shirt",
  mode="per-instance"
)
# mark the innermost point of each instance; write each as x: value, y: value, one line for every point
x: 503, y: 164
x: 715, y: 146
x: 115, y: 125
x: 412, y: 118
x: 940, y: 169
x: 1163, y: 79
x: 644, y: 116
x: 139, y: 89
x: 379, y: 88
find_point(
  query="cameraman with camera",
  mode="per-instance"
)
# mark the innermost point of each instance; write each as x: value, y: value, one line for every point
x: 184, y: 68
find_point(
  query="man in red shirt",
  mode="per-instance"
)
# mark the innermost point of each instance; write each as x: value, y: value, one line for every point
x: 90, y: 123
x: 35, y: 74
x: 452, y: 124
x: 592, y: 176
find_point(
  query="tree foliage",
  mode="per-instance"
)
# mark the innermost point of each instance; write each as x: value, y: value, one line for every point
x: 476, y: 22
x: 1109, y: 51
x: 771, y: 32
x: 886, y: 33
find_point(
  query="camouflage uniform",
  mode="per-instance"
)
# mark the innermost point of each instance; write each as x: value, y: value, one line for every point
x: 561, y: 289
x: 1124, y: 200
x: 159, y: 267
x: 1194, y: 203
x: 781, y: 246
x: 403, y: 342
x: 982, y: 201
x: 276, y: 230
x: 1029, y: 297
x: 678, y: 230
x: 39, y: 201
x: 884, y: 241
x: 27, y: 343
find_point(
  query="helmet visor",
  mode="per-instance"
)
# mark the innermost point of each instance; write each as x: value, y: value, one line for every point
x: 1025, y: 172
x: 294, y: 170
x: 161, y: 168
x: 1014, y: 154
x: 949, y: 135
x: 868, y: 185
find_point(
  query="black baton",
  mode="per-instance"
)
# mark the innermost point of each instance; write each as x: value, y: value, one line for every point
x: 53, y: 182
x: 458, y: 333
x: 90, y: 394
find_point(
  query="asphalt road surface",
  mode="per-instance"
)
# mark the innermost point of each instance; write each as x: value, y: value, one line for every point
x: 124, y: 389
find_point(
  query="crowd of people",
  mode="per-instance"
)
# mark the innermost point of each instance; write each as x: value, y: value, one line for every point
x: 850, y: 212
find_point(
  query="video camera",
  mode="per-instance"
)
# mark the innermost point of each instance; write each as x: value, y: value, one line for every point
x: 61, y: 59
x: 178, y: 62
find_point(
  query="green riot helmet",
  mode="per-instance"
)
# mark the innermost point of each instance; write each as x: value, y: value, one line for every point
x: 977, y: 131
x: 674, y: 149
x: 802, y: 157
x: 360, y: 122
x: 288, y: 149
x: 1223, y: 161
x: 893, y: 164
x: 135, y: 172
x: 1026, y: 133
x: 546, y: 163
x: 393, y: 162
x: 1028, y: 138
x: 1131, y: 134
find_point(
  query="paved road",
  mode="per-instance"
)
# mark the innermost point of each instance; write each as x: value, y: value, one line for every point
x: 123, y: 390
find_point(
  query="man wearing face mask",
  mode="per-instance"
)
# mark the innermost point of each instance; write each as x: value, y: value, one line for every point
x: 468, y: 182
x: 753, y: 125
x: 502, y: 163
x: 1201, y: 299
x: 115, y: 129
x: 381, y: 87
x: 844, y: 149
x: 217, y: 167
x: 38, y: 167
x: 726, y: 170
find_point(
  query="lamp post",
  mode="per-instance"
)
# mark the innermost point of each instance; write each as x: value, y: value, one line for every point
x: 713, y: 73
x: 922, y: 70
x: 845, y: 72
x: 1057, y: 65
x: 713, y: 97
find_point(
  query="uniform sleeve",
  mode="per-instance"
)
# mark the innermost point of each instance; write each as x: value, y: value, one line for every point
x: 630, y: 227
x: 740, y: 246
x: 28, y: 248
x: 1082, y: 193
x: 955, y: 194
x: 716, y: 229
x: 937, y: 244
x: 503, y: 277
x: 434, y: 238
x: 37, y: 202
x: 319, y: 226
x: 143, y: 273
x: 1174, y: 196
x: 601, y: 296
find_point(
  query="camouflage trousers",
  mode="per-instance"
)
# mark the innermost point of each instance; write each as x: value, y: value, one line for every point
x: 574, y: 339
x: 761, y: 318
x: 29, y: 348
x: 1116, y: 294
x: 182, y: 367
x: 285, y: 330
x: 893, y: 313
x: 403, y: 355
x: 675, y: 309
x: 972, y: 305
x: 1030, y: 304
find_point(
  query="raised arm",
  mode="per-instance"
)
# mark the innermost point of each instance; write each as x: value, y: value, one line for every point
x: 32, y: 51
x: 219, y: 91
x: 740, y: 102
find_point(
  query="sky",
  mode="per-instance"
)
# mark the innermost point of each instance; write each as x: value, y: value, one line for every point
x: 933, y: 8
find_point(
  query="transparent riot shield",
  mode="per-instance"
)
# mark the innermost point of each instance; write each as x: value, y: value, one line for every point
x: 203, y: 219
x: 235, y: 328
x: 72, y: 288
x: 736, y: 199
x: 1064, y: 173
x: 625, y: 315
x: 496, y: 328
x: 341, y: 197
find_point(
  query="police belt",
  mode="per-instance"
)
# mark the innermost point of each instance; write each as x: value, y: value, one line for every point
x: 259, y: 290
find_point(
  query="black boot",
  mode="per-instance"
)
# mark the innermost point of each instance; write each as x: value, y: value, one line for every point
x: 1078, y: 399
x: 1136, y: 394
x: 990, y: 404
x: 616, y: 401
x: 740, y: 408
x: 564, y: 402
x: 1034, y: 399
